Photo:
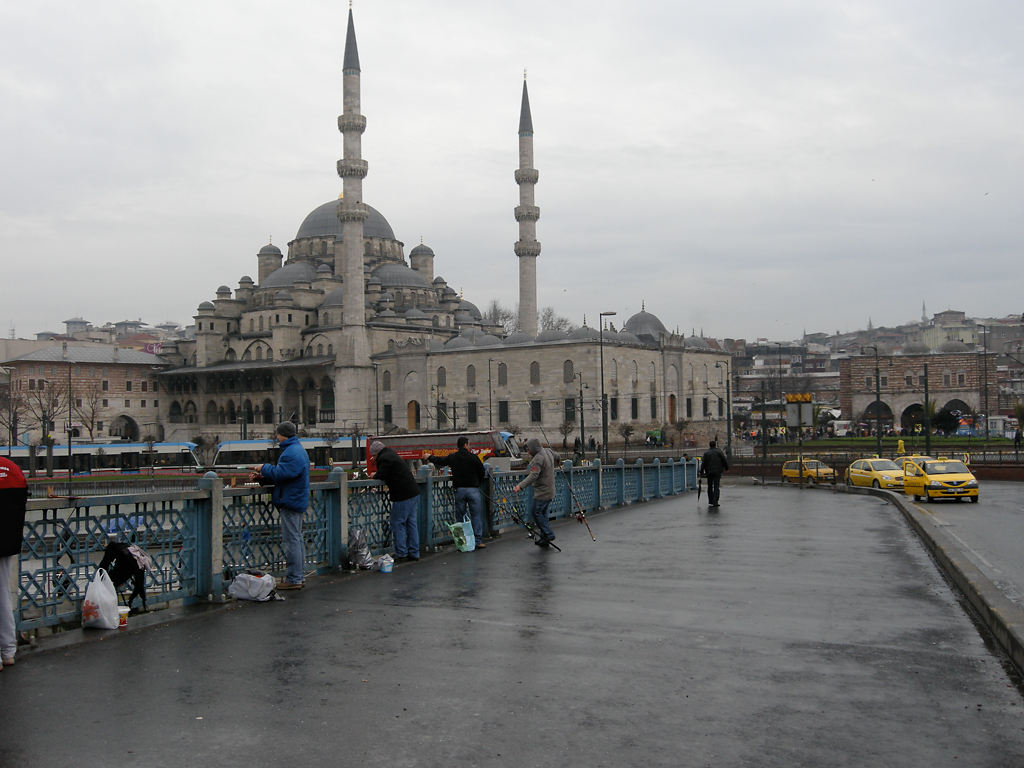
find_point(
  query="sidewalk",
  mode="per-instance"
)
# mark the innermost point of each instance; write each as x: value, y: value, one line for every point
x: 789, y: 628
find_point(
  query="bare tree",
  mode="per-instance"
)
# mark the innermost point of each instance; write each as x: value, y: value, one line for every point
x: 626, y: 430
x: 551, y: 321
x: 497, y: 314
x: 88, y: 407
x: 566, y: 428
x: 44, y: 405
x: 12, y: 414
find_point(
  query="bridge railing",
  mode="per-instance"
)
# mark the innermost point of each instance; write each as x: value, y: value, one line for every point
x: 200, y: 539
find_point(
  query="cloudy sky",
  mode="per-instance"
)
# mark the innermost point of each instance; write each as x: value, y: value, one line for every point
x: 745, y: 167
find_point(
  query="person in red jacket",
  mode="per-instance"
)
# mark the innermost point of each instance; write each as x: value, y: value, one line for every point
x: 13, y: 497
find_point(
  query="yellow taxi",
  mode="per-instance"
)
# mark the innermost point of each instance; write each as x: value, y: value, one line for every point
x: 875, y: 473
x: 813, y: 471
x: 900, y: 461
x: 939, y: 479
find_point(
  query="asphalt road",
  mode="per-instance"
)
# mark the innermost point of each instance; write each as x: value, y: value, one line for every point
x: 990, y: 533
x: 791, y: 628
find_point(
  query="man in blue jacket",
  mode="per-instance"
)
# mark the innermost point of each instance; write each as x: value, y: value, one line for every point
x: 290, y: 478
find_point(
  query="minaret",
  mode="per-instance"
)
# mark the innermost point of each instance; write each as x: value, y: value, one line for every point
x: 527, y: 248
x: 351, y: 210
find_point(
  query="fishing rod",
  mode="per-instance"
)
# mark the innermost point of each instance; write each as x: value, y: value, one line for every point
x: 581, y: 514
x: 510, y: 510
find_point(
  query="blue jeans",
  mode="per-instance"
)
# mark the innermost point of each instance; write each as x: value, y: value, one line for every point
x: 405, y: 527
x: 539, y: 510
x: 294, y: 545
x: 471, y: 501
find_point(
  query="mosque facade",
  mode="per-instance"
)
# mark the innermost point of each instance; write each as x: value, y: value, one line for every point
x: 343, y: 334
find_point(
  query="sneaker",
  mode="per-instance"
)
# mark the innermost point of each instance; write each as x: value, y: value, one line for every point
x: 290, y: 585
x: 541, y: 542
x: 481, y: 545
x: 8, y: 661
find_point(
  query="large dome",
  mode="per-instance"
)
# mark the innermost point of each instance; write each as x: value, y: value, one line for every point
x: 395, y: 275
x: 644, y: 324
x: 323, y: 222
x: 289, y: 274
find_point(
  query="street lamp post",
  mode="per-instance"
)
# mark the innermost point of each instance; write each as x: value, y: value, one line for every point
x: 984, y: 379
x: 583, y: 431
x: 728, y: 406
x: 878, y: 401
x: 927, y: 416
x: 604, y: 397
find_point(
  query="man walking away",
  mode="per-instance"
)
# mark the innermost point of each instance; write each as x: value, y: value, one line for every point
x: 467, y: 477
x: 290, y: 478
x: 13, y: 496
x: 542, y: 477
x: 404, y: 492
x: 712, y: 465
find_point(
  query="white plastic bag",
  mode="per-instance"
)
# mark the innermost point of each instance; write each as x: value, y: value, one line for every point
x: 99, y: 609
x: 246, y: 586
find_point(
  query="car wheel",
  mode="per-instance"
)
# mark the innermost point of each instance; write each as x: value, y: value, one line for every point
x: 927, y: 498
x: 974, y: 499
x: 916, y: 497
x: 874, y: 484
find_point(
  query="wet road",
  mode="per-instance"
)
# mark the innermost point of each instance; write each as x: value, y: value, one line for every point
x: 990, y: 533
x: 791, y: 628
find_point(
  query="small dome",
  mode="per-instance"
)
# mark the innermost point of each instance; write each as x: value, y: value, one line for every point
x: 206, y: 305
x: 397, y: 275
x: 245, y: 280
x: 517, y: 337
x: 643, y: 323
x: 487, y: 340
x: 386, y: 313
x: 223, y: 289
x: 289, y: 274
x: 585, y: 333
x: 414, y: 314
x: 269, y: 250
x: 373, y: 281
x: 421, y: 250
x: 334, y: 298
x: 282, y: 296
x: 954, y: 345
x: 471, y: 308
x: 464, y: 318
x: 552, y: 335
x: 324, y: 269
x: 459, y: 342
x: 439, y: 281
x: 696, y: 342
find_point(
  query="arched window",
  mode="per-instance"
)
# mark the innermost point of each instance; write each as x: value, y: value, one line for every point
x: 386, y: 381
x: 535, y: 373
x: 330, y: 349
x: 259, y: 353
x: 270, y: 354
x: 615, y: 371
x: 471, y: 377
x: 502, y: 375
x: 261, y: 322
x: 567, y: 372
x: 652, y: 372
x: 319, y: 350
x: 442, y: 377
x: 636, y: 373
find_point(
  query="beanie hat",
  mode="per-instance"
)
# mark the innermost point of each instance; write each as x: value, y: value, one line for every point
x: 376, y: 447
x: 286, y: 429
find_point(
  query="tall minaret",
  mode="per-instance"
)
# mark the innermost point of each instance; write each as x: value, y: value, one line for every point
x: 527, y: 248
x: 351, y: 211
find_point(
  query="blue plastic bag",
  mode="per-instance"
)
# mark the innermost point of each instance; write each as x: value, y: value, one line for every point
x: 462, y: 535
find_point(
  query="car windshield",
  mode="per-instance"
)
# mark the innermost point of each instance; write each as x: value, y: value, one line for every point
x: 812, y: 464
x: 945, y: 467
x: 882, y: 465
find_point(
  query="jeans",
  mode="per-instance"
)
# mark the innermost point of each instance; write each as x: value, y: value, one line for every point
x: 539, y: 510
x: 713, y: 488
x: 405, y: 527
x: 8, y: 637
x: 294, y: 545
x: 471, y: 501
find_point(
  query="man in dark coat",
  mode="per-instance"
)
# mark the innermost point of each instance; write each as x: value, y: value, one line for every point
x: 13, y: 497
x: 712, y: 465
x: 467, y: 477
x: 404, y: 492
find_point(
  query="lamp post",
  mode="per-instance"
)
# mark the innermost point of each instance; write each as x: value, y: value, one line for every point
x: 604, y: 397
x: 984, y: 379
x: 728, y: 405
x: 878, y: 400
x: 583, y: 432
x: 376, y: 402
x: 927, y: 416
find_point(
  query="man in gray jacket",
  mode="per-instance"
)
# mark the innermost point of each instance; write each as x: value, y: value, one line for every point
x: 542, y: 477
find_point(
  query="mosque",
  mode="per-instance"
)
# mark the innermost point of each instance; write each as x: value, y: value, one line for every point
x: 344, y: 335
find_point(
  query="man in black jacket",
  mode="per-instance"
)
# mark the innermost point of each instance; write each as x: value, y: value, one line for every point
x: 712, y: 465
x: 404, y: 492
x: 467, y: 477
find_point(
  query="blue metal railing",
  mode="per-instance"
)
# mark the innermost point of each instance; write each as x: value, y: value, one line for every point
x: 199, y: 539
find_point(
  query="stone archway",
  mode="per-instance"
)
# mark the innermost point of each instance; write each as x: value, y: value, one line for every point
x: 912, y: 415
x: 126, y: 428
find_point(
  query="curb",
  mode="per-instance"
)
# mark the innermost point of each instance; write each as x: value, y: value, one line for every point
x: 1000, y: 615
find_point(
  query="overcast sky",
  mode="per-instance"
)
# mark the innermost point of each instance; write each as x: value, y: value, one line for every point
x: 749, y: 168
